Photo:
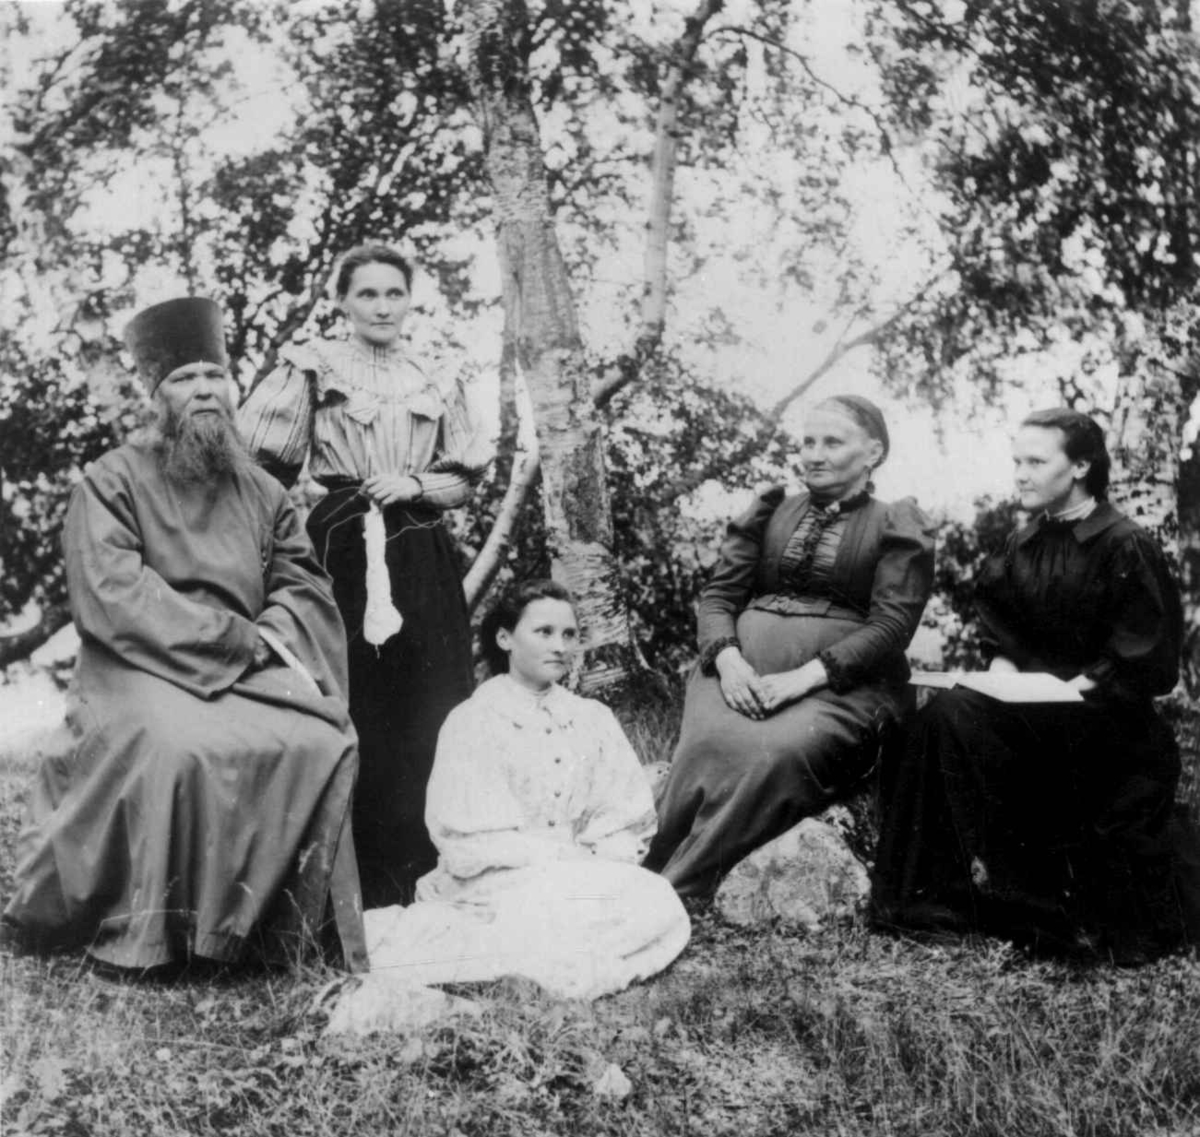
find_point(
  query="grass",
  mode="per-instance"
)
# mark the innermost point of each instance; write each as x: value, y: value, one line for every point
x: 747, y: 1034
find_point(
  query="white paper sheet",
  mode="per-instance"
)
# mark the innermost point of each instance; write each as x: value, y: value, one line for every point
x: 1007, y: 686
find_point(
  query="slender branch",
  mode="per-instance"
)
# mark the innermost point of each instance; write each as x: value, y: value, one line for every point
x: 772, y: 418
x: 662, y: 185
x: 624, y: 370
x: 290, y: 325
x: 180, y: 169
x: 629, y: 366
x: 844, y: 347
x: 939, y: 30
x: 483, y: 570
x: 885, y: 138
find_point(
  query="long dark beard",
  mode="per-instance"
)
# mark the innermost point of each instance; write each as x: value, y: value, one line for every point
x: 198, y: 448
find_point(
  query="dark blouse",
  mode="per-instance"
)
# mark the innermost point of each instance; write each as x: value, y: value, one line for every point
x: 1094, y: 597
x: 866, y: 561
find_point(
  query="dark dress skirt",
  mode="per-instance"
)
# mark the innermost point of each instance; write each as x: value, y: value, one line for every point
x: 1049, y: 824
x: 738, y: 782
x: 401, y: 690
x: 796, y: 580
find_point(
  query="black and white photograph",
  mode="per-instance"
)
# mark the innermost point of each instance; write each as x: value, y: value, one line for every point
x: 600, y: 567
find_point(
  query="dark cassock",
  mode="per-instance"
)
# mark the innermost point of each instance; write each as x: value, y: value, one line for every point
x: 1049, y: 823
x: 203, y: 811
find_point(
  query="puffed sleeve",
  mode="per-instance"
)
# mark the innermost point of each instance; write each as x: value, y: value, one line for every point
x: 619, y: 820
x: 729, y: 589
x: 276, y: 420
x: 1140, y: 657
x: 472, y: 815
x: 462, y: 455
x: 999, y: 620
x: 902, y: 583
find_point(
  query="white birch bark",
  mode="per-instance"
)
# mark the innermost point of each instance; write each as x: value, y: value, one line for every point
x: 662, y: 197
x: 1160, y: 378
x: 539, y: 304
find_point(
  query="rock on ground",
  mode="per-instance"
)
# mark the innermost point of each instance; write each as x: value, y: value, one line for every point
x: 802, y: 878
x: 379, y: 1001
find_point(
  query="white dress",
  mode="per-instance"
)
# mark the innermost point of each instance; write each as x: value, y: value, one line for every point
x: 540, y: 812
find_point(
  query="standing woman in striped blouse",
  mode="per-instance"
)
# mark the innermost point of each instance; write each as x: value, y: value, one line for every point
x: 394, y: 446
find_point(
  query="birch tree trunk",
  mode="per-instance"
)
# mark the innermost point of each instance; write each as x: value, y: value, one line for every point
x: 1158, y: 385
x: 1160, y: 378
x: 539, y: 305
x: 517, y: 465
x: 629, y: 366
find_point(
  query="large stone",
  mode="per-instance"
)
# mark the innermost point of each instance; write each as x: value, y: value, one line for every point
x: 380, y: 1001
x: 802, y: 878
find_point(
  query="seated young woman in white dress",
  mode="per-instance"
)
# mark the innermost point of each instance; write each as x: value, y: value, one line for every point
x: 541, y: 813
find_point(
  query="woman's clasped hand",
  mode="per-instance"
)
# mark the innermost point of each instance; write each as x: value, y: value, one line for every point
x: 388, y: 489
x: 757, y: 696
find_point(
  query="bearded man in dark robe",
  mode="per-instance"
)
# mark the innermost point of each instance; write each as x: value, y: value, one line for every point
x: 204, y: 811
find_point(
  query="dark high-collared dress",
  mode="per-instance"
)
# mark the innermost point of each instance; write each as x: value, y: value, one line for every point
x: 795, y: 581
x: 1048, y: 823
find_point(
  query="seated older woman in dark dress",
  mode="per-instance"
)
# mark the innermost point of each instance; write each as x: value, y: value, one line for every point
x: 1048, y: 823
x: 802, y: 635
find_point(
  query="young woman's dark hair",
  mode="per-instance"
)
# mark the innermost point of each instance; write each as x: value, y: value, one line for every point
x: 506, y: 613
x: 1083, y: 442
x: 362, y: 255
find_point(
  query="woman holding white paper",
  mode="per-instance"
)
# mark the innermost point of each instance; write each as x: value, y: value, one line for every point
x: 1048, y: 823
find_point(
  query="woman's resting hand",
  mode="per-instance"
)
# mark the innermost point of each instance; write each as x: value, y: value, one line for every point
x: 739, y: 683
x: 775, y: 691
x: 387, y: 489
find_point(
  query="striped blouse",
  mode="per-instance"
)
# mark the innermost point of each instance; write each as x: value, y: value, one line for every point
x: 355, y: 411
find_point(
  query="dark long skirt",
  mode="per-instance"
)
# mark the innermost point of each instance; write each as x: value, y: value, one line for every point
x: 735, y: 782
x: 402, y: 690
x: 1047, y: 824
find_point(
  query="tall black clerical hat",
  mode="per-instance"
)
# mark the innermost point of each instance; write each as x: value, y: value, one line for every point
x: 174, y: 334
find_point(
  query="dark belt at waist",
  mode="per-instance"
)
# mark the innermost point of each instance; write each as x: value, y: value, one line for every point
x: 332, y: 482
x: 800, y: 604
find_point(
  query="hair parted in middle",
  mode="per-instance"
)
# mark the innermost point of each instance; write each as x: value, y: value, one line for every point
x: 860, y: 410
x: 507, y: 612
x: 370, y: 254
x: 1083, y: 441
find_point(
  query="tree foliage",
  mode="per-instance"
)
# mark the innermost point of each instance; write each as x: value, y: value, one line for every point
x: 683, y: 429
x: 143, y: 96
x: 1048, y: 149
x: 1062, y: 141
x: 963, y: 547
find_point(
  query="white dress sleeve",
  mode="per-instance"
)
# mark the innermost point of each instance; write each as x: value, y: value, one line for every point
x: 620, y: 819
x: 473, y: 817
